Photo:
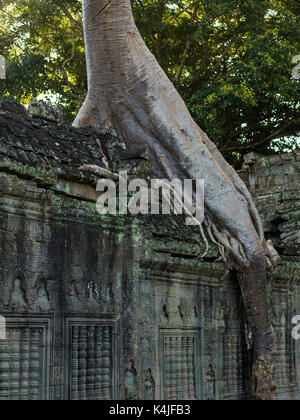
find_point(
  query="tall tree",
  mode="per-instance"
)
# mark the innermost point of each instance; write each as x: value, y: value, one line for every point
x: 42, y: 41
x: 230, y: 60
x: 129, y: 91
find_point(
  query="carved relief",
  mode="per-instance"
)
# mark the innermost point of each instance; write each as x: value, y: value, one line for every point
x: 219, y: 310
x: 82, y: 292
x: 279, y: 310
x: 18, y: 294
x: 131, y: 382
x: 30, y: 284
x: 149, y: 386
x: 74, y: 289
x: 185, y: 310
x: 188, y: 310
x: 43, y: 298
x: 164, y: 314
x: 210, y: 344
x: 210, y: 379
x: 179, y: 312
x: 33, y: 294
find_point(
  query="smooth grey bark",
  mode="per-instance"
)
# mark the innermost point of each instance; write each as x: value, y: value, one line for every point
x: 127, y: 90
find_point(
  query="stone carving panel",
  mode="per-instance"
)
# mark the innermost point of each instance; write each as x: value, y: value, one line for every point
x: 149, y: 387
x: 131, y: 382
x: 180, y: 312
x: 210, y: 379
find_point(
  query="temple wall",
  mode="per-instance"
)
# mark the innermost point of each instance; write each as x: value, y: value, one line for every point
x: 95, y: 310
x: 98, y: 309
x: 118, y: 307
x: 274, y: 183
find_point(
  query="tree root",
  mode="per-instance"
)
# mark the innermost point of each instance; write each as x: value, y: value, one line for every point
x: 178, y: 206
x: 272, y: 256
x: 262, y: 384
x: 100, y: 172
x: 129, y: 91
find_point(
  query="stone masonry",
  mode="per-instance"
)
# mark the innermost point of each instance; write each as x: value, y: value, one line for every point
x: 116, y: 307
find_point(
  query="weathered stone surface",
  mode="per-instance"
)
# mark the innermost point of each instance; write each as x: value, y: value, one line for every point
x: 46, y: 110
x: 277, y: 197
x: 73, y: 283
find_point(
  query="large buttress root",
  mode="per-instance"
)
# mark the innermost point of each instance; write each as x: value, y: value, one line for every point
x: 130, y: 92
x: 253, y: 289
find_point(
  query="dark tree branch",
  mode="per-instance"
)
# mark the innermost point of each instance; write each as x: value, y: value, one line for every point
x: 71, y: 18
x: 187, y: 46
x: 279, y: 132
x: 183, y: 10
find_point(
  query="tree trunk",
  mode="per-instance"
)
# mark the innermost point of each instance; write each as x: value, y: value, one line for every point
x: 127, y: 90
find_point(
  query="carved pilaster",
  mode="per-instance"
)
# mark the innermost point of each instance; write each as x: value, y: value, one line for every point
x: 82, y: 363
x: 25, y: 371
x: 98, y: 364
x: 75, y: 364
x: 4, y: 368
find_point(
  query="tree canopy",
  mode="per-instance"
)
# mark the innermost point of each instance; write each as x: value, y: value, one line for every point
x: 231, y: 61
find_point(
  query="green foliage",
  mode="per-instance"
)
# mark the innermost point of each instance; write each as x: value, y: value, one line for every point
x: 44, y: 49
x: 231, y: 60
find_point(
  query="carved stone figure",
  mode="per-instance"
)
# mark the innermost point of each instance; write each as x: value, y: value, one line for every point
x: 210, y: 383
x: 187, y: 308
x: 18, y: 295
x: 164, y: 312
x: 131, y: 382
x: 149, y: 386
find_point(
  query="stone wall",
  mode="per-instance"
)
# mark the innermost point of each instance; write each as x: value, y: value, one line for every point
x: 274, y: 182
x: 118, y: 307
x: 65, y: 273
